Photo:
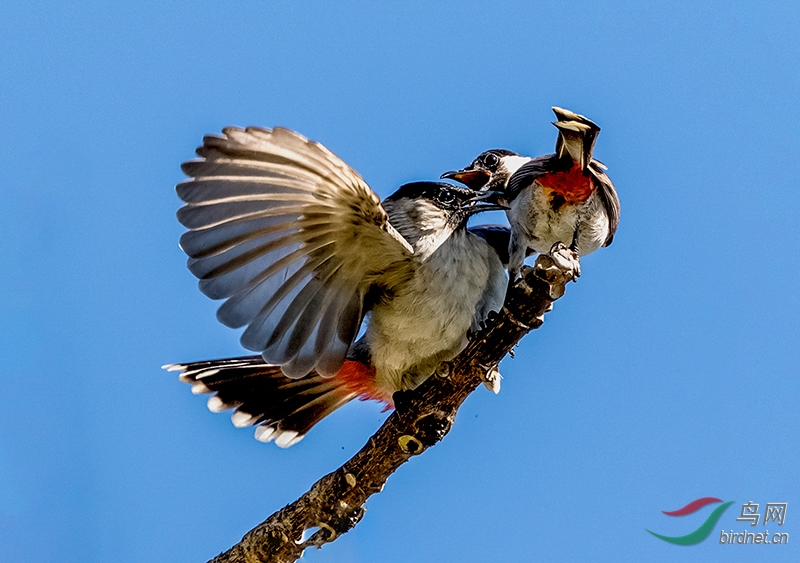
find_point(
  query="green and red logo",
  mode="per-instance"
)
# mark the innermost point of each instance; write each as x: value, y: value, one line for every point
x: 705, y: 528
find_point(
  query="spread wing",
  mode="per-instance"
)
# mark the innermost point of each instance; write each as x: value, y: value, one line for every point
x: 291, y: 237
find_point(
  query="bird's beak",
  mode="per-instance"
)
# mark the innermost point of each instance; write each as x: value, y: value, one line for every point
x: 486, y: 201
x: 473, y: 179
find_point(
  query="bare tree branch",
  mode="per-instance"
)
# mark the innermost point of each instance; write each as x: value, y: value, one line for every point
x: 335, y: 503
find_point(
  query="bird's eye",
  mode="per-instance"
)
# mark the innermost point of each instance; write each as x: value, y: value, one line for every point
x: 490, y: 160
x: 446, y: 196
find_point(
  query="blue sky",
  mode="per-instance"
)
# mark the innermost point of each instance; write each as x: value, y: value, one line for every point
x: 668, y: 373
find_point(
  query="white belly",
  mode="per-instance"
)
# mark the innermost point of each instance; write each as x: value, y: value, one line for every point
x: 538, y: 226
x: 428, y: 319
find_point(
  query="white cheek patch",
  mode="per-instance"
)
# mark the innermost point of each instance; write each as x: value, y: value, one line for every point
x: 514, y: 163
x: 434, y: 229
x: 429, y: 217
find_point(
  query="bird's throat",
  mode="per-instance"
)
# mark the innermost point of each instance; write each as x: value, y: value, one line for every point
x: 570, y: 186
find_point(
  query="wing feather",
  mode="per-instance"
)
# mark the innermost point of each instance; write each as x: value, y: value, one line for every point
x: 529, y: 171
x: 291, y: 237
x: 609, y: 197
x: 263, y: 294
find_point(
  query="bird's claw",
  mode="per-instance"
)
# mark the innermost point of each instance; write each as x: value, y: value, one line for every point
x: 483, y: 324
x: 566, y: 259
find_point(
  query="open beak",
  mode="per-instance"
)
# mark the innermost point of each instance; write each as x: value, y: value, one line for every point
x: 487, y: 201
x: 473, y: 179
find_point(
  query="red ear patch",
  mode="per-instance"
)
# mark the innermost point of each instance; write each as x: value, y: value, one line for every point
x: 572, y: 185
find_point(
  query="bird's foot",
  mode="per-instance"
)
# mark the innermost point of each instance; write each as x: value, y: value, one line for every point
x: 557, y: 268
x: 566, y: 259
x: 491, y: 318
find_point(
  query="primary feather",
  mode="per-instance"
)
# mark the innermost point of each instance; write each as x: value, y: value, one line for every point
x: 291, y: 237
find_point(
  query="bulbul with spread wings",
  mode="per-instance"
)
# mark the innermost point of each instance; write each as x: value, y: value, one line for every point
x: 303, y: 251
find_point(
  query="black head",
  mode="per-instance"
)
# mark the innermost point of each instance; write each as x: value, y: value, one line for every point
x: 429, y: 202
x: 490, y: 171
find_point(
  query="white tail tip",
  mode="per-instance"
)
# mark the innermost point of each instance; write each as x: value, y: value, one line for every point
x: 241, y: 419
x: 265, y: 434
x: 215, y: 404
x: 287, y: 439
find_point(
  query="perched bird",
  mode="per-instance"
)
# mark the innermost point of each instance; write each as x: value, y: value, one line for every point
x: 564, y: 197
x: 302, y: 250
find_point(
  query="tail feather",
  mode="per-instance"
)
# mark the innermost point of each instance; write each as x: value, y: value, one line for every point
x: 576, y: 136
x: 282, y: 409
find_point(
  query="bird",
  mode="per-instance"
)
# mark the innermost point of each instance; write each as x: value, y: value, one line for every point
x: 561, y: 198
x: 304, y: 253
